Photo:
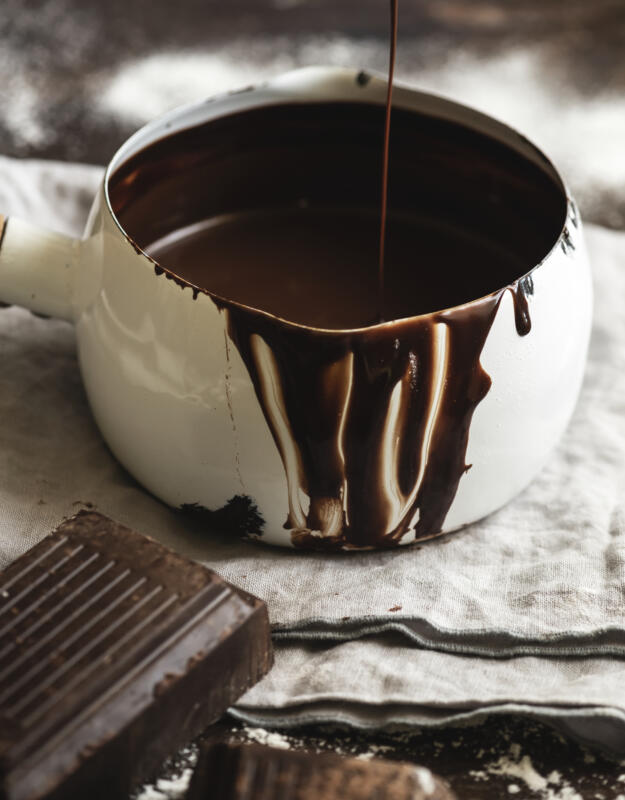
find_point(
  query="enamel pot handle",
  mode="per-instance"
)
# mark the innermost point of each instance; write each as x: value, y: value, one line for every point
x: 37, y: 268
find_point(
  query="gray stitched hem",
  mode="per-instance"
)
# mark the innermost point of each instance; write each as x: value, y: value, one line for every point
x: 485, y: 643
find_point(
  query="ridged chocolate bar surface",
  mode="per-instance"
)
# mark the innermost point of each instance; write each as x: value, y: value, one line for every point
x: 114, y: 651
x: 253, y: 772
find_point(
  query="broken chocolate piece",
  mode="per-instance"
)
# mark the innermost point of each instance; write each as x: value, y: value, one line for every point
x: 252, y: 772
x: 114, y: 652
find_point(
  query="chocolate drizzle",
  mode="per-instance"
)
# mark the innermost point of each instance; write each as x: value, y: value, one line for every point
x: 372, y: 426
x: 520, y: 291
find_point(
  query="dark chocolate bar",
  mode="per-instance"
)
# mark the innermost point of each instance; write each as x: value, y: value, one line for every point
x: 252, y: 772
x: 114, y: 652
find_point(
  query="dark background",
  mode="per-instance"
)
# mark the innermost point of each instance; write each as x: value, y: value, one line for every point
x: 78, y: 76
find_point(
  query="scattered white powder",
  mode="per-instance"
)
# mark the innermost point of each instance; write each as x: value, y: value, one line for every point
x: 552, y: 787
x: 23, y: 114
x: 143, y: 88
x: 173, y: 788
x: 269, y: 738
x: 168, y: 789
x: 150, y: 793
x: 274, y: 739
x: 146, y: 88
x: 513, y: 765
x: 380, y: 749
x: 26, y: 93
x: 522, y: 769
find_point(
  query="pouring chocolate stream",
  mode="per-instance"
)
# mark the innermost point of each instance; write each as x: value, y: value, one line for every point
x: 387, y: 141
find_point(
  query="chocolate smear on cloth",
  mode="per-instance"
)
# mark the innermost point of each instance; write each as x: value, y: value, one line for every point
x: 114, y: 652
x: 253, y: 772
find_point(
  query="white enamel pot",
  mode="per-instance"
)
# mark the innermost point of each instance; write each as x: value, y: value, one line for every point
x: 194, y: 399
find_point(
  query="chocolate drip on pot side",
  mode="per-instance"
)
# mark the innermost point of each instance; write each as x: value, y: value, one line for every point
x: 374, y: 432
x: 520, y: 291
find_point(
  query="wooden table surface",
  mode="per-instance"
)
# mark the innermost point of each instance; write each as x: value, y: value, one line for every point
x: 55, y: 53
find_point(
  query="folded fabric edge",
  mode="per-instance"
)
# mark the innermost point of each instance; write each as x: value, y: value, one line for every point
x: 594, y: 726
x: 483, y: 643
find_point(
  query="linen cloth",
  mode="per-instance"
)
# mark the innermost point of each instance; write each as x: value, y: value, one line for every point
x: 524, y: 610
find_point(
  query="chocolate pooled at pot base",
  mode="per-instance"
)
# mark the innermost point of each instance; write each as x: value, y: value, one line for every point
x: 114, y: 652
x: 253, y: 772
x: 273, y: 212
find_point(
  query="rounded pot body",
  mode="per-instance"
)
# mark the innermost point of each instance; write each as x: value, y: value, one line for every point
x: 365, y: 438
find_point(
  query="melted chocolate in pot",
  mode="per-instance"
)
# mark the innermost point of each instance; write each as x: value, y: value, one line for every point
x: 316, y: 266
x: 277, y: 209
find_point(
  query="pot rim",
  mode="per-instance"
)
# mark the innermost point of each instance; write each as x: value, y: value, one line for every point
x: 338, y: 84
